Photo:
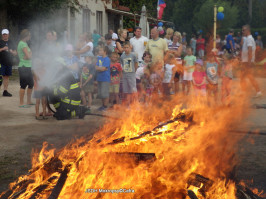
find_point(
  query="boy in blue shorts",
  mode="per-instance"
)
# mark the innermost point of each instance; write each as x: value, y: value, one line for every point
x: 103, y: 76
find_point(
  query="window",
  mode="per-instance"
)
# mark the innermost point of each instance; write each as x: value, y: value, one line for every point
x: 99, y: 22
x: 86, y: 20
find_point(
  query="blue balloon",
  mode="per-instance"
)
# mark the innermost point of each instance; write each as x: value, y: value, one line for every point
x: 220, y: 16
x: 256, y: 33
x: 160, y: 24
x: 200, y: 31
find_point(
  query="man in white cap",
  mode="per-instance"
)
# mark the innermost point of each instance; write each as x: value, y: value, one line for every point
x: 7, y: 51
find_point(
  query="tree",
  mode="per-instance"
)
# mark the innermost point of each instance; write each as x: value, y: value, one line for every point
x: 203, y: 18
x: 23, y: 11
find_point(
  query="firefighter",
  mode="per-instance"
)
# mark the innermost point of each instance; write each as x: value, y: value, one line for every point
x: 66, y: 95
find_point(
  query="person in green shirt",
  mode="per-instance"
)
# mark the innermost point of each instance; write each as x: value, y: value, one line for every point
x: 24, y: 68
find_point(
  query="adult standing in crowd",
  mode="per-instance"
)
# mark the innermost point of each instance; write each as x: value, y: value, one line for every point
x: 248, y: 59
x: 156, y: 46
x: 139, y: 43
x: 200, y: 46
x: 230, y: 43
x: 108, y: 43
x: 114, y: 37
x: 24, y: 68
x: 86, y: 47
x: 193, y: 43
x: 95, y: 37
x: 169, y: 35
x: 120, y: 42
x: 176, y: 48
x: 7, y: 51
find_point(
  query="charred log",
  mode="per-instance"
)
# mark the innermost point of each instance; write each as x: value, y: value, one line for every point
x: 42, y: 187
x: 245, y: 193
x: 60, y: 183
x: 197, y: 180
x: 183, y: 117
x: 191, y: 194
x: 20, y: 186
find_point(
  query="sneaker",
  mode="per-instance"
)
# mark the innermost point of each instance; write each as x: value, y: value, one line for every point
x: 7, y: 94
x: 259, y: 94
x: 88, y: 111
x: 103, y: 108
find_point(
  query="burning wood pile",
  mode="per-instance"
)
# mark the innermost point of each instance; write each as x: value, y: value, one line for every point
x: 189, y: 156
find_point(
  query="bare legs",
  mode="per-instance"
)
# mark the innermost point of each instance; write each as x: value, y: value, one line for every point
x: 21, y: 96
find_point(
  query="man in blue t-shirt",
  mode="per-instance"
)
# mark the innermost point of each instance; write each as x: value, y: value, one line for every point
x: 103, y: 77
x: 230, y: 43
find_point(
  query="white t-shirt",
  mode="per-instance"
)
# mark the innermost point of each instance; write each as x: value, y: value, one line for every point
x: 248, y: 42
x: 168, y: 41
x: 114, y: 37
x: 139, y: 46
x: 88, y: 53
x: 168, y: 73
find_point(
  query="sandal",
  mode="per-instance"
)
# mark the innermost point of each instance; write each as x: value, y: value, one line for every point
x: 44, y: 117
x: 38, y: 117
x: 25, y: 106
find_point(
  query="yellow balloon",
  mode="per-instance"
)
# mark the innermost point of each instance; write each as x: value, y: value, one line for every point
x: 221, y: 9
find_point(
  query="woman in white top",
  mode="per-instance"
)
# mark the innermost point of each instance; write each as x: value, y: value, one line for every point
x: 84, y: 47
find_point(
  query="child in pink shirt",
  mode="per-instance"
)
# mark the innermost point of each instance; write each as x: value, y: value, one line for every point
x: 199, y: 79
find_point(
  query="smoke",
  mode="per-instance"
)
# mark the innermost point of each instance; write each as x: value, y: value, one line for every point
x: 49, y: 37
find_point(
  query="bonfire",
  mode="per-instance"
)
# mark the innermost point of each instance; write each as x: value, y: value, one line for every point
x: 160, y: 151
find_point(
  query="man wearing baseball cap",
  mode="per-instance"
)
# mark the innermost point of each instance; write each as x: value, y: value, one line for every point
x: 7, y: 51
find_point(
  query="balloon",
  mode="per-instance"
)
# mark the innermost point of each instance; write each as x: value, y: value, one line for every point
x: 220, y: 16
x: 200, y: 31
x: 256, y: 33
x: 160, y: 24
x: 220, y: 9
x: 161, y: 32
x: 160, y: 28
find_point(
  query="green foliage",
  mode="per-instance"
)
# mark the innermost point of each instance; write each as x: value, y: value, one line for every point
x: 204, y: 21
x: 135, y: 6
x: 23, y: 11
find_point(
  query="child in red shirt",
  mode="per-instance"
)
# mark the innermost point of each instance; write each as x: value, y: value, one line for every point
x: 199, y: 79
x: 116, y: 74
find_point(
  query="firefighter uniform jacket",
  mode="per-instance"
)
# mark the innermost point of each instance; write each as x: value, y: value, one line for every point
x: 68, y: 91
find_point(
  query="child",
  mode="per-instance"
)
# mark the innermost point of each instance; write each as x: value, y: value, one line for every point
x: 212, y: 78
x: 188, y: 70
x: 199, y: 79
x: 86, y: 82
x: 39, y: 93
x: 227, y: 76
x: 140, y: 72
x: 116, y: 74
x: 129, y: 64
x: 103, y: 77
x: 169, y: 73
x: 156, y: 77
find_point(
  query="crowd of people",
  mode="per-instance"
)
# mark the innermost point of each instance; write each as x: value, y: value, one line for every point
x: 124, y: 70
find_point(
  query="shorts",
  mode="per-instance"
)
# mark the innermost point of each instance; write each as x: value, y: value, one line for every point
x: 177, y: 77
x: 187, y: 76
x: 212, y: 88
x: 25, y: 77
x: 88, y: 88
x: 103, y: 90
x: 201, y: 53
x: 6, y: 70
x: 166, y: 89
x: 114, y: 88
x: 246, y: 68
x: 129, y: 85
x: 200, y: 92
x: 38, y: 94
